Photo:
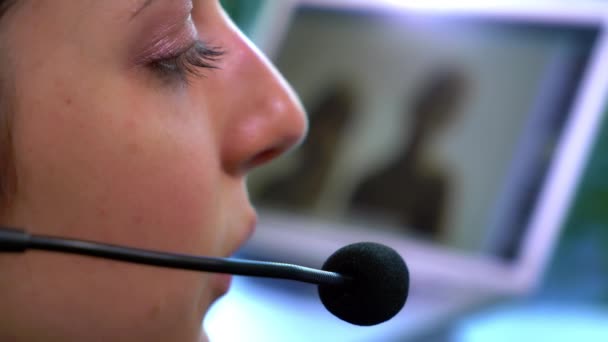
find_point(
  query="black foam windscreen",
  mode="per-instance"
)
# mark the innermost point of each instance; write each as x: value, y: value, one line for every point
x: 379, y: 288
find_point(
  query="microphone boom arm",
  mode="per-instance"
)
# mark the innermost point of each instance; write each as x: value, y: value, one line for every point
x: 18, y: 240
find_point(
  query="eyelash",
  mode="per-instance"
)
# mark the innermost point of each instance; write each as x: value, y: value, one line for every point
x: 184, y: 65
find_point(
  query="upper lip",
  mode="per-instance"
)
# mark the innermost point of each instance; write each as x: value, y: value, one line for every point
x: 247, y: 231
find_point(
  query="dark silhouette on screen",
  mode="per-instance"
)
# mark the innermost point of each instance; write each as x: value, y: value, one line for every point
x: 412, y: 191
x: 301, y: 188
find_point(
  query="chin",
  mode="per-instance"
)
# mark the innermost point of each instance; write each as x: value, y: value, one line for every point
x: 209, y: 296
x: 203, y: 337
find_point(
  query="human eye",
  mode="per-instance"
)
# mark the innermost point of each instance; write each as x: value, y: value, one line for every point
x: 186, y: 64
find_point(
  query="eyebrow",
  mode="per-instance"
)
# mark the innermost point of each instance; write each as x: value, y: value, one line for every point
x: 143, y: 7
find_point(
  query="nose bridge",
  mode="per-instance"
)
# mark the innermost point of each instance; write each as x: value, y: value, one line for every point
x: 268, y: 117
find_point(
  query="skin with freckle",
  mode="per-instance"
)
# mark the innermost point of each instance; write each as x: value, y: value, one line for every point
x: 108, y: 144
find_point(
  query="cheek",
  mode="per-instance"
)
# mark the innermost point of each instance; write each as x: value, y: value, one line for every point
x: 134, y: 172
x: 130, y: 171
x: 168, y: 199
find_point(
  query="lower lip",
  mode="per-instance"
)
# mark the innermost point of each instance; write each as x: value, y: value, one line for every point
x: 222, y: 282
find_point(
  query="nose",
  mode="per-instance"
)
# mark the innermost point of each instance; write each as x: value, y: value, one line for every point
x: 265, y: 117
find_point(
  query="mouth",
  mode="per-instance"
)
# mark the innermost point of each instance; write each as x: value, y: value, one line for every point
x: 221, y: 281
x: 245, y: 233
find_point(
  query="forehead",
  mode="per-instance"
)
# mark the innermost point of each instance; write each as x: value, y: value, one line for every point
x: 122, y: 10
x: 81, y: 8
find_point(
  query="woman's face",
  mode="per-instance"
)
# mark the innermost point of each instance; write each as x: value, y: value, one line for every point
x: 115, y: 140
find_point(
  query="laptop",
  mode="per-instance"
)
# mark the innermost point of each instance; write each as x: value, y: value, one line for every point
x: 454, y: 132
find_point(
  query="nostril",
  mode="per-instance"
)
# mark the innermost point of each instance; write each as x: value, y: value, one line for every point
x: 262, y: 158
x: 288, y: 142
x: 259, y: 142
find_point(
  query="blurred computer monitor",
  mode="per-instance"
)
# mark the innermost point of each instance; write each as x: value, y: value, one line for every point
x: 456, y: 135
x: 454, y: 132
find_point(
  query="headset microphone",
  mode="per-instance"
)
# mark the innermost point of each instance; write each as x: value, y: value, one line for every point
x: 364, y: 283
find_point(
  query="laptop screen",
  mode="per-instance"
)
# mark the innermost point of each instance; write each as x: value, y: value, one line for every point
x: 437, y: 129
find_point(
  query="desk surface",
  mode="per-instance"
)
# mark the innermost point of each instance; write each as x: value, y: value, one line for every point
x: 275, y: 310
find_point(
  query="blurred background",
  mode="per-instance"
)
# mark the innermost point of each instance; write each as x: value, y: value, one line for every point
x: 570, y: 302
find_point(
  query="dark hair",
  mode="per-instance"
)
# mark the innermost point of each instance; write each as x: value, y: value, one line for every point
x: 8, y: 180
x: 5, y: 5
